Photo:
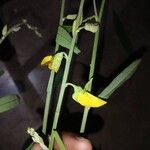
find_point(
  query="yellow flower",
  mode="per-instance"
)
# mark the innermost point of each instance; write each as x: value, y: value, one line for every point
x: 53, y: 62
x: 86, y: 99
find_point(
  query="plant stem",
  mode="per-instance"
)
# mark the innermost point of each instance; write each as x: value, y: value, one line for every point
x: 65, y: 76
x: 51, y: 78
x: 51, y: 141
x: 92, y: 67
x: 66, y: 71
x: 95, y: 10
x: 70, y: 84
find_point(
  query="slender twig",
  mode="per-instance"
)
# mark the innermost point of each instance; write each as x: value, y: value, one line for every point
x: 51, y: 78
x: 92, y: 66
x: 66, y: 71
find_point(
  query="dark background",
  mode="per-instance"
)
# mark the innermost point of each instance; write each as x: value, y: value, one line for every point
x: 122, y: 124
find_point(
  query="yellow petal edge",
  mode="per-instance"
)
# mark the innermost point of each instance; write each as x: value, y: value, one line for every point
x: 88, y: 100
x: 46, y: 60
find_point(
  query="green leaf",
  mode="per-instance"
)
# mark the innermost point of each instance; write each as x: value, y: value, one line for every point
x: 77, y: 22
x: 64, y: 39
x: 88, y: 85
x: 120, y: 79
x: 8, y: 102
x: 68, y: 28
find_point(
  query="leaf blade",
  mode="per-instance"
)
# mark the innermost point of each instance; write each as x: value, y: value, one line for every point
x: 8, y: 102
x: 64, y: 39
x: 120, y: 79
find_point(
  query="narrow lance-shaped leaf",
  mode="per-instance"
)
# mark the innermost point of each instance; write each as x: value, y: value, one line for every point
x: 64, y: 39
x: 120, y: 79
x: 8, y: 102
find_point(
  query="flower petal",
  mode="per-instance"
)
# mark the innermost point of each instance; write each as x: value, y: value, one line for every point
x: 86, y: 99
x: 46, y: 60
x: 50, y: 66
